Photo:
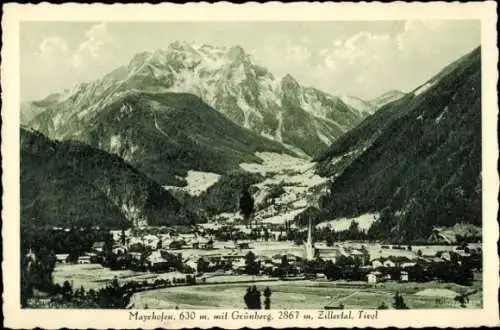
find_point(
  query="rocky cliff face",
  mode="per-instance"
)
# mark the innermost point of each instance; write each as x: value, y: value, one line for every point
x: 224, y: 78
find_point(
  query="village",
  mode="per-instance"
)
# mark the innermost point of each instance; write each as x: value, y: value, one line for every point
x: 264, y: 250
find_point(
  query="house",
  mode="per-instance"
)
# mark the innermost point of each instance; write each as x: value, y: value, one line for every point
x: 116, y: 235
x: 377, y: 263
x: 389, y: 263
x: 203, y: 243
x: 98, y: 247
x: 62, y: 258
x: 293, y: 258
x: 404, y: 276
x: 408, y: 264
x: 156, y: 260
x: 243, y: 245
x: 151, y: 241
x: 276, y: 259
x: 373, y: 277
x: 461, y: 253
x: 119, y: 249
x: 235, y: 256
x: 321, y: 276
x: 262, y: 259
x: 83, y: 260
x: 136, y: 247
x: 135, y: 255
x: 187, y: 237
x: 239, y: 264
x: 329, y: 254
x: 436, y: 260
x: 176, y: 245
x: 358, y: 256
x: 214, y: 257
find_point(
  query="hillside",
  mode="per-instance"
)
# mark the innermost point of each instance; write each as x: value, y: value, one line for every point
x: 226, y: 79
x: 161, y: 134
x: 69, y: 183
x: 417, y: 160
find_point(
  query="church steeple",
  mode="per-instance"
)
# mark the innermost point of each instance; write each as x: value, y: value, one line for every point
x: 309, y: 232
x: 308, y: 245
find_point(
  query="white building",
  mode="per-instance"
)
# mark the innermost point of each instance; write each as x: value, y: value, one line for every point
x: 84, y: 260
x: 389, y: 263
x: 156, y: 258
x: 62, y: 258
x: 404, y: 276
x: 373, y: 277
x: 408, y: 264
x: 377, y: 263
x: 119, y: 249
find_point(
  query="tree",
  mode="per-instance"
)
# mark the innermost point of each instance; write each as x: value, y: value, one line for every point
x: 382, y: 306
x: 284, y: 265
x: 123, y: 237
x: 67, y: 290
x: 248, y: 298
x: 251, y: 266
x: 256, y: 303
x: 246, y: 205
x: 91, y: 294
x: 399, y: 302
x: 267, y: 295
x: 332, y: 271
x: 353, y: 232
x: 202, y: 265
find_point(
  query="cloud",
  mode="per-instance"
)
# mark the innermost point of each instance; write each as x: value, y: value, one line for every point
x: 298, y: 54
x: 52, y: 46
x: 56, y: 66
x: 364, y: 61
x: 97, y: 37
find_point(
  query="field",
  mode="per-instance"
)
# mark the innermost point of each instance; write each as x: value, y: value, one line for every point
x: 95, y: 276
x: 304, y: 295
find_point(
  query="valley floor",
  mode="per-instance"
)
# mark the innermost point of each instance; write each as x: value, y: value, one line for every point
x: 309, y: 294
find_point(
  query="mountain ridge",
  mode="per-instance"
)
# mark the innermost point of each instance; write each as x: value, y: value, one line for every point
x: 226, y: 79
x: 420, y: 158
x: 72, y: 184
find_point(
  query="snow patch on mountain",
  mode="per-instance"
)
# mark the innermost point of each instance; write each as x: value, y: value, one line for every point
x: 197, y: 182
x: 364, y: 221
x: 441, y: 115
x: 358, y: 104
x: 386, y: 98
x: 423, y: 88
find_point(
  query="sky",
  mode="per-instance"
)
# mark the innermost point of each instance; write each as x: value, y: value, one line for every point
x: 357, y: 58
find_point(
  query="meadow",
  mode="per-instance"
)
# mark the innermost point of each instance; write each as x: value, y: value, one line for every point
x: 307, y: 295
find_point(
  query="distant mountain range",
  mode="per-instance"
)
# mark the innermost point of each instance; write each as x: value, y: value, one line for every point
x: 300, y: 117
x: 72, y: 184
x: 161, y: 134
x: 417, y: 160
x: 101, y: 152
x: 385, y: 98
